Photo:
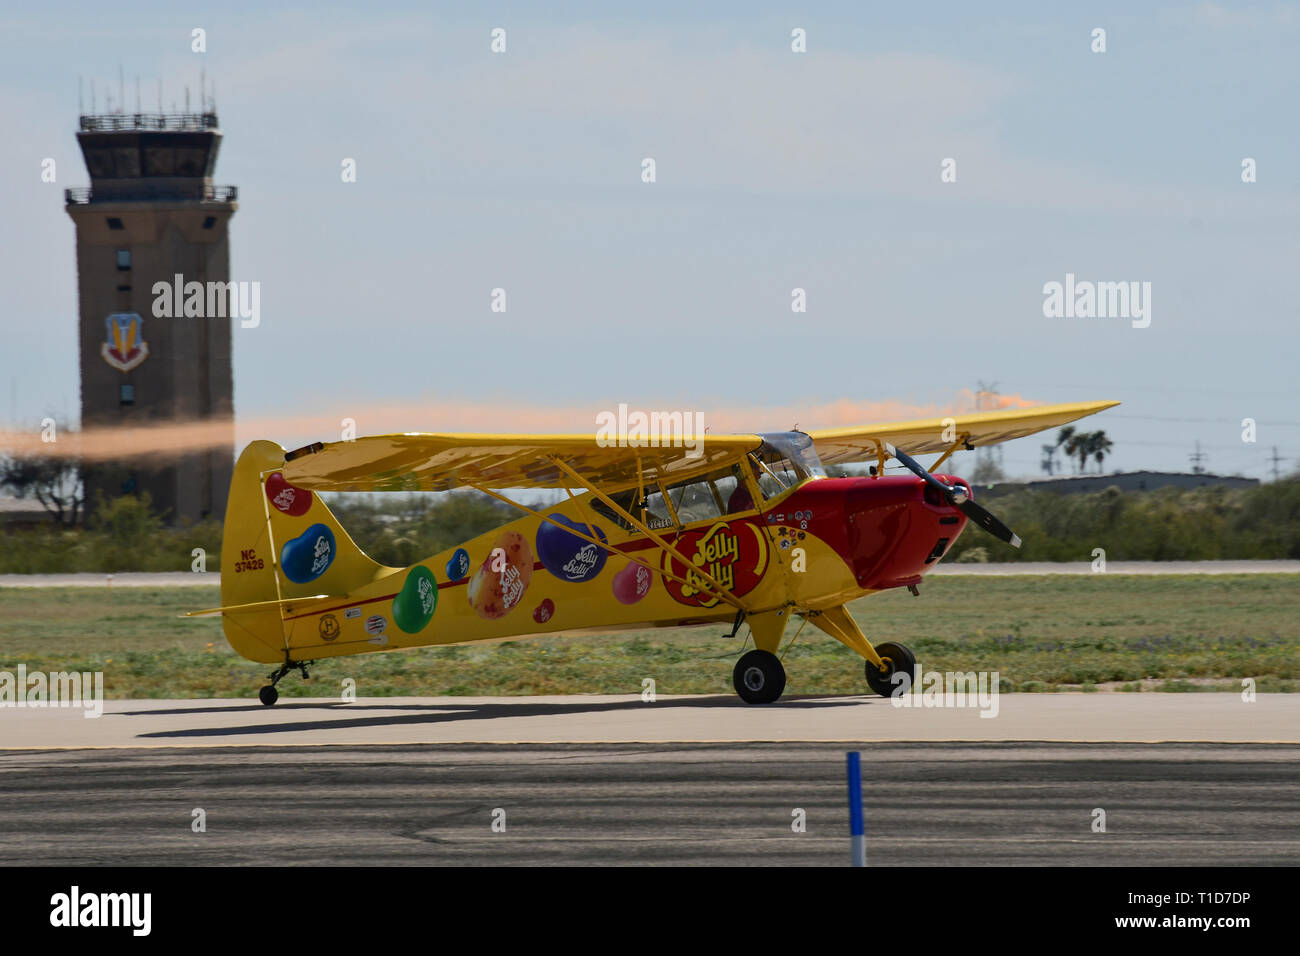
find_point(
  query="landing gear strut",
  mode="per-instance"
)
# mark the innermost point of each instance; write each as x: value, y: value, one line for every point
x: 268, y: 695
x: 759, y: 677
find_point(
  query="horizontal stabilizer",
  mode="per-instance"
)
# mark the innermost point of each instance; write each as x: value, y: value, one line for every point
x: 257, y: 605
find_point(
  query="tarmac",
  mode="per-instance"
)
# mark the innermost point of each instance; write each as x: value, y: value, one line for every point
x: 1217, y: 717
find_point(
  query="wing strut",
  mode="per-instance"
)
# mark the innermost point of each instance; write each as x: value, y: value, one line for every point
x: 962, y: 441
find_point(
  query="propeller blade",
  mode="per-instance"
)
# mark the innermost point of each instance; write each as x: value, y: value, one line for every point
x: 977, y: 513
x: 914, y: 466
x: 989, y: 522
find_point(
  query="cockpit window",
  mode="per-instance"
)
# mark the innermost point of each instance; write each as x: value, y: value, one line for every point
x: 781, y: 462
x: 704, y: 498
x: 653, y: 510
x: 773, y: 473
x: 784, y: 460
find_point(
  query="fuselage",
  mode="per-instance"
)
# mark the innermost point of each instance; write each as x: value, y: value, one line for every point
x: 816, y: 545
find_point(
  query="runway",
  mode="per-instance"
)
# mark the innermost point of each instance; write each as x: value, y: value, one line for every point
x: 688, y: 780
x: 1221, y: 717
x: 688, y: 804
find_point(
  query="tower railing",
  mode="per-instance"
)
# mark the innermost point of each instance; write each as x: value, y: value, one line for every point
x: 82, y: 195
x: 118, y: 122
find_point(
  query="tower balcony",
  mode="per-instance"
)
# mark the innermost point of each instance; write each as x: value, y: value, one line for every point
x: 151, y: 191
x: 140, y: 122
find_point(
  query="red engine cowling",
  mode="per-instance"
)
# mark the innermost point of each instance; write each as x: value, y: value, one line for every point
x: 899, y: 528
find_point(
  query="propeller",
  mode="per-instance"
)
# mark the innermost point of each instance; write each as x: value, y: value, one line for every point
x: 958, y: 498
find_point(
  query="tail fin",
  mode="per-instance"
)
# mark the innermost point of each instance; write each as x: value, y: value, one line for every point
x: 279, y: 542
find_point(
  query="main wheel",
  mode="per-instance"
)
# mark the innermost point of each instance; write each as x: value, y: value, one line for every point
x: 268, y: 695
x: 899, y: 659
x: 759, y: 678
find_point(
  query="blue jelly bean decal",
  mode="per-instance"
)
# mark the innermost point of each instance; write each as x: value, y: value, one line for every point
x: 308, y: 556
x: 458, y: 566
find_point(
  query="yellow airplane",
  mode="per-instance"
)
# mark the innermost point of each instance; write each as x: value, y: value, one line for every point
x: 739, y: 529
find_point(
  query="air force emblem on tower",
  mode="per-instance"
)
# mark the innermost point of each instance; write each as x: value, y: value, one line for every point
x: 126, y: 347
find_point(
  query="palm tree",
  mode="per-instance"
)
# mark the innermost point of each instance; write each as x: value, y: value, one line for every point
x: 1049, y: 459
x: 1065, y: 440
x: 1076, y: 445
x: 1100, y: 446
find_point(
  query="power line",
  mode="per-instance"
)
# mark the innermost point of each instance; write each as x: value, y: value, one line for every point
x: 1212, y: 421
x: 1154, y: 388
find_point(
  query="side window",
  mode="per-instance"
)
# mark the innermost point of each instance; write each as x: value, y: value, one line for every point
x: 733, y: 501
x: 696, y: 501
x: 656, y: 511
x: 656, y: 515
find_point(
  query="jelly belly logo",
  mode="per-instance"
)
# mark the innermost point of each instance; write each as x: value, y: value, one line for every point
x: 733, y: 555
x: 125, y: 347
x: 286, y: 498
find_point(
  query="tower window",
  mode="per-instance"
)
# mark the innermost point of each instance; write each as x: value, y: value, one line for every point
x: 209, y: 222
x: 124, y: 259
x: 115, y: 223
x: 126, y: 395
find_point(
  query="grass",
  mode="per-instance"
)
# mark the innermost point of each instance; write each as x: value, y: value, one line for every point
x: 1041, y: 633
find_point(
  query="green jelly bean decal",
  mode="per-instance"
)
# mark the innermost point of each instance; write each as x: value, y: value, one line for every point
x: 414, y: 604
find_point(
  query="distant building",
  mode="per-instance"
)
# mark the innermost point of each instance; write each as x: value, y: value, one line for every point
x: 151, y: 214
x: 22, y: 513
x: 1124, y: 481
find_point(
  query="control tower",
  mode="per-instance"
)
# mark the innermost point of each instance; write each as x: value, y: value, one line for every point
x: 152, y: 214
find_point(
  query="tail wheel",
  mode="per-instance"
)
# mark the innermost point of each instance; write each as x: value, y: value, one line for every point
x: 898, y: 659
x: 759, y: 678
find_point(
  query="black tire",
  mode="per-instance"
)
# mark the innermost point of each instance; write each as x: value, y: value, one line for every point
x: 268, y: 695
x: 758, y: 678
x: 899, y: 658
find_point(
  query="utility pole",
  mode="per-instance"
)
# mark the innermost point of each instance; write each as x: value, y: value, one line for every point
x: 1197, y: 457
x: 1275, y: 459
x: 986, y: 394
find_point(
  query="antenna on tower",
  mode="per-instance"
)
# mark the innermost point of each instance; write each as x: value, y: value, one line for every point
x: 203, y: 91
x: 81, y: 98
x: 92, y: 95
x: 187, y: 98
x: 137, y: 92
x: 121, y: 89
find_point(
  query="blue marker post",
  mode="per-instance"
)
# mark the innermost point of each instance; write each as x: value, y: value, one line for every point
x: 858, y: 840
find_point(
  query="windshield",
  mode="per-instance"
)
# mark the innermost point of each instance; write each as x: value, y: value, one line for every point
x: 784, y: 460
x: 794, y: 450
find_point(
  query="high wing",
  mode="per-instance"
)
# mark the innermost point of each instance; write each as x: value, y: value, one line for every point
x: 418, y: 461
x: 862, y: 443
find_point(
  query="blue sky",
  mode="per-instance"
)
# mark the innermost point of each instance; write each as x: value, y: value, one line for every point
x: 775, y: 170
